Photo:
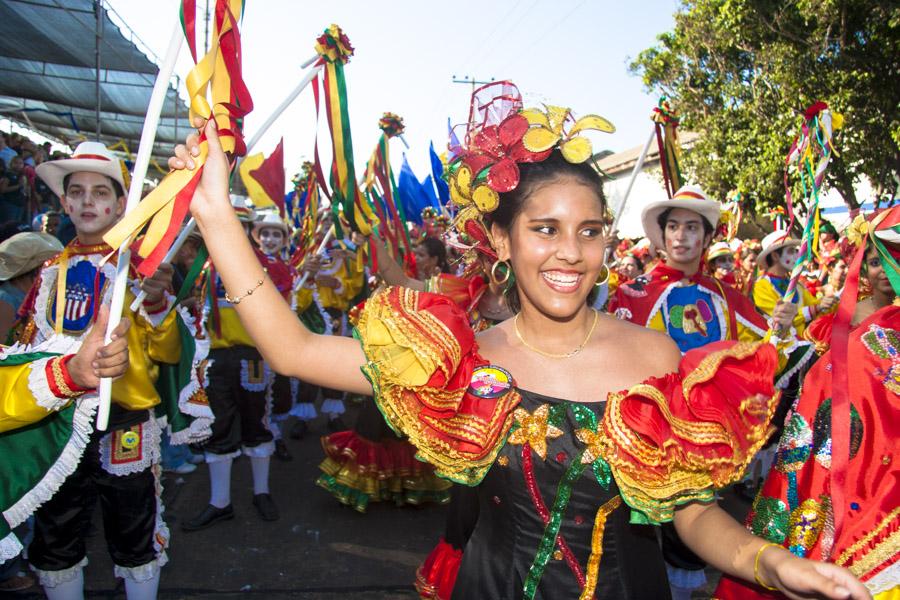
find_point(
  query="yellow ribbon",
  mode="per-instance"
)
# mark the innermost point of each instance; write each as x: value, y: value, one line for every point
x: 158, y: 206
x: 63, y: 269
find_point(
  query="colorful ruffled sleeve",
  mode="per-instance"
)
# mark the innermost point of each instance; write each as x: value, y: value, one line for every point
x: 421, y: 354
x: 675, y: 439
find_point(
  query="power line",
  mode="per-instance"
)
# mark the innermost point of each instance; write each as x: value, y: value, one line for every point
x: 547, y: 32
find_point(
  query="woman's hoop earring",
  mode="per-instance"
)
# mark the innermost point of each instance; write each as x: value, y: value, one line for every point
x: 604, y: 279
x: 506, y: 272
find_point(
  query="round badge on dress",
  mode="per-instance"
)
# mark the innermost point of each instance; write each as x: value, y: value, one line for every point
x: 490, y: 381
x: 130, y: 440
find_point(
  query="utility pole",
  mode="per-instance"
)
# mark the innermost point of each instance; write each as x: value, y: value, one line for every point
x: 471, y: 80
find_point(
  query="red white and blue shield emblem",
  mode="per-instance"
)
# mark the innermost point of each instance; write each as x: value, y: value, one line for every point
x: 79, y: 309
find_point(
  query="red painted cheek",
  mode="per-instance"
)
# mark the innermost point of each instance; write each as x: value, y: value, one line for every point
x: 107, y: 210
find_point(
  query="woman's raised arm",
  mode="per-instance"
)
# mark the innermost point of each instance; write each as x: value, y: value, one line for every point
x: 287, y: 346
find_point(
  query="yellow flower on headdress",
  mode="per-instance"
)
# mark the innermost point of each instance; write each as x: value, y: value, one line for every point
x: 534, y: 429
x: 463, y: 194
x: 547, y: 129
x: 858, y: 230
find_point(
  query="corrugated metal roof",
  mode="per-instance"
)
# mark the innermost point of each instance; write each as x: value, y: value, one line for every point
x: 48, y: 76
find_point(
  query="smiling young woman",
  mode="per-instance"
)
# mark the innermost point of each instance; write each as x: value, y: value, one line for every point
x: 530, y: 410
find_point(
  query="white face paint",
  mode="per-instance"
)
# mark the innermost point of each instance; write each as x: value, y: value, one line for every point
x: 789, y: 258
x: 271, y: 240
x: 724, y: 263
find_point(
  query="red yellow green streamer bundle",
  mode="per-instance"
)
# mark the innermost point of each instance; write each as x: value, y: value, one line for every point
x: 808, y: 159
x: 382, y: 187
x: 307, y: 188
x: 217, y: 75
x: 335, y: 50
x: 667, y: 120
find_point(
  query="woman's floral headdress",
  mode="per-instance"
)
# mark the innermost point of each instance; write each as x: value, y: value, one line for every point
x: 500, y: 135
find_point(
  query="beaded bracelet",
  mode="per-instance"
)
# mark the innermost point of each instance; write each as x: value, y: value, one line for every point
x: 237, y: 300
x: 756, y: 566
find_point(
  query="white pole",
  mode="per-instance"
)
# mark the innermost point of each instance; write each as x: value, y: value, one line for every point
x: 634, y: 173
x: 148, y: 135
x: 285, y: 103
x: 176, y: 246
x: 319, y: 251
x: 191, y: 224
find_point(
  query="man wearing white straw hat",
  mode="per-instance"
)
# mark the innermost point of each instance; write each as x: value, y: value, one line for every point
x: 271, y: 234
x: 675, y: 297
x: 120, y: 466
x: 236, y: 385
x: 775, y: 262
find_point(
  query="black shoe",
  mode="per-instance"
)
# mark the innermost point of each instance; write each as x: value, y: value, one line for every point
x: 281, y: 451
x: 336, y: 424
x: 210, y: 516
x: 265, y: 506
x: 298, y: 431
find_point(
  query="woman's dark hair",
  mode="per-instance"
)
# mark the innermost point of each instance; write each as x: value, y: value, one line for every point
x: 436, y: 249
x: 772, y: 257
x: 663, y: 218
x: 533, y: 176
x: 116, y: 186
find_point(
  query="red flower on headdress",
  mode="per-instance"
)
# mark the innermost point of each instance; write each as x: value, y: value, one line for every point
x: 498, y: 148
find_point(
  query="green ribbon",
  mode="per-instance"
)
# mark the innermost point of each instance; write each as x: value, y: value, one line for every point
x: 192, y: 275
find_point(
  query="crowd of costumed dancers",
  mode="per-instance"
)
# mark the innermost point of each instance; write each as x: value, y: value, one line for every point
x: 576, y: 398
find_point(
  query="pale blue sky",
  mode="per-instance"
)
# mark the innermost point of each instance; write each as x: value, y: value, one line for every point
x: 569, y: 52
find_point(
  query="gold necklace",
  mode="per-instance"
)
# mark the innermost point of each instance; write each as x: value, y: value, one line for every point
x: 550, y: 354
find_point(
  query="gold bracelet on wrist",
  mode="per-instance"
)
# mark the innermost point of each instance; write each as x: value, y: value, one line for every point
x: 756, y: 566
x: 237, y: 300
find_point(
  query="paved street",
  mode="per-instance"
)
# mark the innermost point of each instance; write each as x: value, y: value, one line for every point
x: 317, y: 550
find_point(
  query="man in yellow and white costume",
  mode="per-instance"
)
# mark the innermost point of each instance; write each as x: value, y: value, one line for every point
x: 121, y: 464
x: 52, y: 384
x: 775, y: 262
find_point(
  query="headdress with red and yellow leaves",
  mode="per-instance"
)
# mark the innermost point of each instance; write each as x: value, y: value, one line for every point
x: 499, y: 136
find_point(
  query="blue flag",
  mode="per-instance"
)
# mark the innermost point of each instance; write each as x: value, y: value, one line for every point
x: 415, y: 195
x: 437, y: 171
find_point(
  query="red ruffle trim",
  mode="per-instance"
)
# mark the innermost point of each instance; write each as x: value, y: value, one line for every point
x: 358, y: 471
x: 437, y: 575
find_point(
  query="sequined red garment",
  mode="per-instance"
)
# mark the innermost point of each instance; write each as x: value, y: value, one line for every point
x: 798, y: 514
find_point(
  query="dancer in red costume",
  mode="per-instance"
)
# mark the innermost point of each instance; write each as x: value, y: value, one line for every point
x: 795, y: 508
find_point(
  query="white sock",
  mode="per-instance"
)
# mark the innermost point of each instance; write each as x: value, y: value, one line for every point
x: 220, y: 483
x: 142, y: 590
x: 67, y: 590
x: 260, y: 467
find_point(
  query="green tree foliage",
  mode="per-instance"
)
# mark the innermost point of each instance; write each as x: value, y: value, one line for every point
x: 740, y: 73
